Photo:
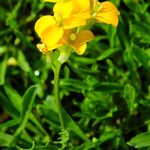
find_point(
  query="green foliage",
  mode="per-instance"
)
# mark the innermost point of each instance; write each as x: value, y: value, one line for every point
x: 141, y: 140
x: 3, y: 66
x: 105, y: 93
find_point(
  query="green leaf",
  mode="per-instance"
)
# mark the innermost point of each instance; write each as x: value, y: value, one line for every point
x: 28, y: 100
x: 3, y: 67
x: 47, y: 147
x: 142, y: 57
x: 111, y: 32
x: 8, y: 106
x: 109, y: 87
x: 9, y: 124
x: 107, y: 53
x: 5, y: 139
x: 83, y: 60
x: 110, y: 134
x: 122, y: 34
x: 32, y: 147
x: 22, y: 62
x: 141, y: 140
x: 16, y: 100
x: 129, y: 60
x: 3, y: 49
x: 117, y: 3
x: 72, y: 84
x: 50, y: 113
x: 27, y: 103
x: 2, y: 14
x: 132, y: 5
x: 130, y: 95
x: 140, y: 30
x: 14, y: 97
x: 24, y: 39
x: 73, y: 126
x: 37, y: 123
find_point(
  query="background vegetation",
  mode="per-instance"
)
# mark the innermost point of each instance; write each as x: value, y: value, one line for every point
x: 106, y: 91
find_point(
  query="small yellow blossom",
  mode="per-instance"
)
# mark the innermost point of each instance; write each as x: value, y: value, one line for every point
x: 49, y: 32
x: 77, y: 40
x: 51, y: 28
x: 106, y: 12
x: 62, y: 28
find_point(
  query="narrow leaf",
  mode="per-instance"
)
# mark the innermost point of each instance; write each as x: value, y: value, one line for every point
x: 141, y: 55
x: 5, y: 139
x: 141, y: 140
x: 8, y: 106
x: 22, y: 62
x: 3, y: 67
x: 14, y: 97
x: 28, y: 100
x: 107, y: 53
x: 130, y: 95
x: 72, y: 125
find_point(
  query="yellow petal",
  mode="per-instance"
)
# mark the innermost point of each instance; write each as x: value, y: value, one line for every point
x: 108, y: 13
x: 80, y: 49
x: 73, y: 22
x: 43, y: 23
x: 84, y: 15
x: 63, y: 9
x: 108, y: 6
x: 93, y: 3
x: 51, y: 36
x: 108, y: 18
x: 81, y: 5
x: 66, y: 36
x: 83, y: 37
x: 54, y: 47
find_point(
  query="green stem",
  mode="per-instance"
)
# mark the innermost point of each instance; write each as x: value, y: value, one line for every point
x: 19, y: 130
x: 56, y: 93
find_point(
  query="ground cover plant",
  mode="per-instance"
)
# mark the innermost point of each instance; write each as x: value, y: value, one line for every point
x: 105, y: 93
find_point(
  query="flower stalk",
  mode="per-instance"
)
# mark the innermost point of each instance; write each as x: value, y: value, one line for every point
x: 56, y: 71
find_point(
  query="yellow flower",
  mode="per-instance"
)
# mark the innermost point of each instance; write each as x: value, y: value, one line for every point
x: 66, y: 15
x: 74, y: 13
x: 106, y: 12
x: 58, y: 30
x: 77, y: 40
x: 49, y: 32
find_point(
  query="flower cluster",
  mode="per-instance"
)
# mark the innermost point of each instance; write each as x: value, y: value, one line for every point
x: 70, y: 23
